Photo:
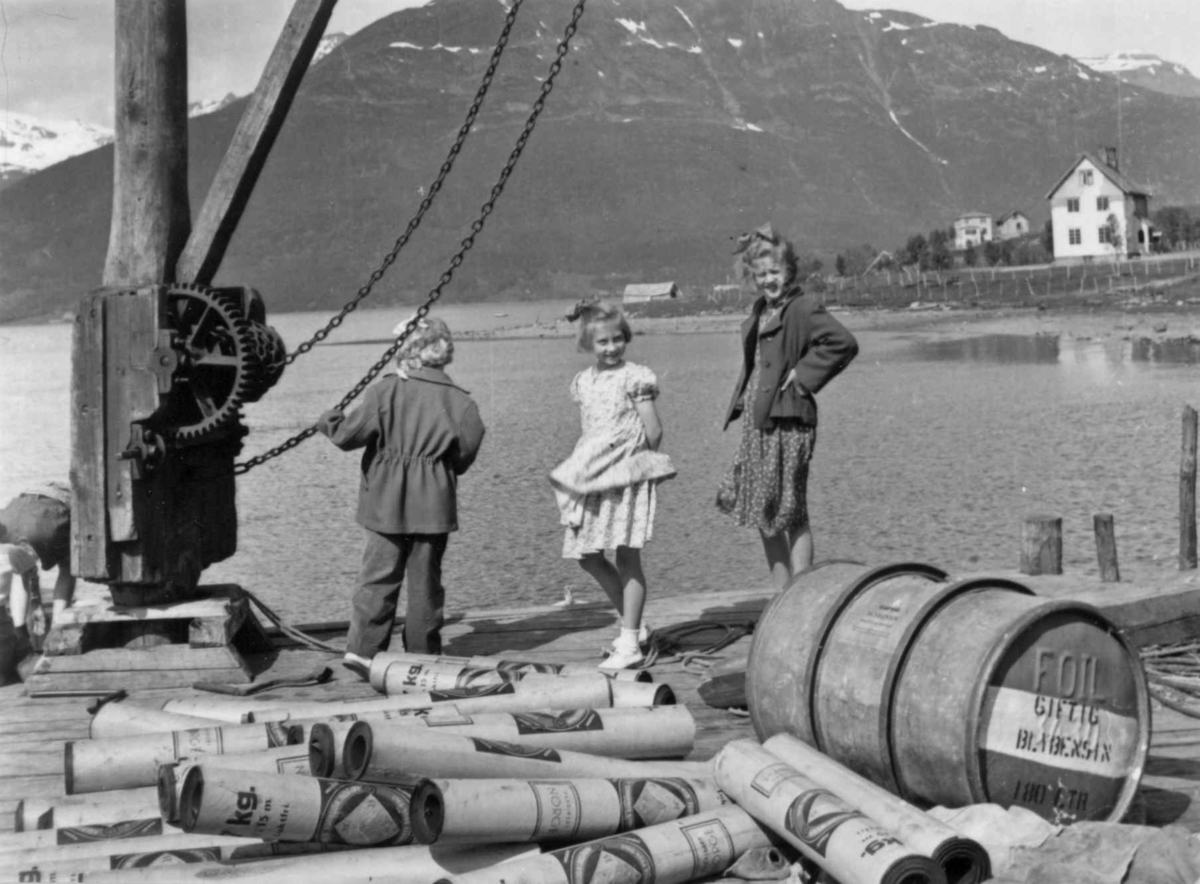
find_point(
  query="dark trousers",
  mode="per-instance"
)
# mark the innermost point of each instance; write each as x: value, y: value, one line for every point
x: 386, y: 560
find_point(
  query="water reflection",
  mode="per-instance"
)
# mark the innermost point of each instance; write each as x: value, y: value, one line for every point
x: 1049, y: 349
x: 1180, y: 351
x: 1001, y: 349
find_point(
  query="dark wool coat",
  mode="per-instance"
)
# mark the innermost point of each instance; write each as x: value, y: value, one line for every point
x: 803, y: 336
x: 419, y: 435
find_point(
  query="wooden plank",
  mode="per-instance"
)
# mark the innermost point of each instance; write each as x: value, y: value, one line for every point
x: 32, y: 764
x: 119, y: 661
x: 89, y: 516
x: 136, y: 681
x: 220, y: 600
x: 51, y: 730
x: 151, y: 216
x: 247, y: 154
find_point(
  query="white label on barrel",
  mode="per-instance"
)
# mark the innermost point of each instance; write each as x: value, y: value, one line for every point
x: 558, y: 807
x: 712, y: 847
x: 294, y: 764
x: 1061, y: 733
x: 201, y: 741
x: 767, y: 780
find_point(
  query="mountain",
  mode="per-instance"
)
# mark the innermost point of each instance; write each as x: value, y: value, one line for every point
x: 28, y: 144
x: 1148, y: 71
x: 671, y: 128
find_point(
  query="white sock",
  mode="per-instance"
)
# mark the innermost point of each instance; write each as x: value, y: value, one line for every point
x: 627, y: 641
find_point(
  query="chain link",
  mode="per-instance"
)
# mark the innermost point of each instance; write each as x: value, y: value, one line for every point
x: 463, y: 131
x: 465, y: 246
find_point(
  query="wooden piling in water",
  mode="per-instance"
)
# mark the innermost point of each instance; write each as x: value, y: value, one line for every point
x: 1106, y: 547
x: 1041, y: 545
x: 1187, y: 492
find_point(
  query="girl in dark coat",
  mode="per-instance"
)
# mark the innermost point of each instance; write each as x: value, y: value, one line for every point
x: 791, y: 348
x: 420, y: 432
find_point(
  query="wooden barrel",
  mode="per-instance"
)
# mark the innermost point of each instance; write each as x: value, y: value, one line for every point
x: 954, y: 691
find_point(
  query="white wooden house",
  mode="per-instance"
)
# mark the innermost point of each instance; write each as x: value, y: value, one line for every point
x: 1097, y: 212
x: 1010, y: 225
x: 640, y: 292
x: 973, y: 229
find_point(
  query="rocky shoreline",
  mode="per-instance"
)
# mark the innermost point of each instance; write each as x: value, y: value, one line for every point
x: 1114, y: 324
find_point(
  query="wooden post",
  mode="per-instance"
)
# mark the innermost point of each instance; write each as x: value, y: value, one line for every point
x: 1106, y: 548
x: 1041, y: 545
x: 151, y: 217
x: 1187, y: 492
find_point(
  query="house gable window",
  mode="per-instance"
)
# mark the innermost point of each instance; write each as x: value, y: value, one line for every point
x: 1085, y: 176
x: 1073, y: 204
x: 1101, y: 204
x: 1074, y: 236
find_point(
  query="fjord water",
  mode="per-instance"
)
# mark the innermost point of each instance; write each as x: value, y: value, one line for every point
x: 932, y: 448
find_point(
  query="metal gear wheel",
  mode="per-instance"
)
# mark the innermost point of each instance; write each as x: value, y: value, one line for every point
x: 218, y: 367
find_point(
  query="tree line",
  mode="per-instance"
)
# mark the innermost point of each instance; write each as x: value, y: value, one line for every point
x: 1177, y: 228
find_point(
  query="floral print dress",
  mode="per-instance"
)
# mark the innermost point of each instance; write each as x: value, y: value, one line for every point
x: 766, y: 488
x: 606, y: 488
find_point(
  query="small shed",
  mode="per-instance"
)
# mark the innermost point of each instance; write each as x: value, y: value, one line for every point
x: 640, y: 292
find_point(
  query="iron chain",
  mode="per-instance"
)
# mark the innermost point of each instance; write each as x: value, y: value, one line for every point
x: 466, y: 244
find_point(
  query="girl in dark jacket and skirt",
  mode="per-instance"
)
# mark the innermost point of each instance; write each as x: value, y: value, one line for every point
x: 791, y: 348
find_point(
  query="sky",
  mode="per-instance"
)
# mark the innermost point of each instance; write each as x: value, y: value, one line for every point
x: 56, y: 56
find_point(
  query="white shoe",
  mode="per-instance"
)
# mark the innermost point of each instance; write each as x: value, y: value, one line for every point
x: 622, y: 660
x: 645, y: 637
x: 360, y: 666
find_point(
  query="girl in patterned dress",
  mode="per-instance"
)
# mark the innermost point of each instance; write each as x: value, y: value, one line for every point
x: 791, y: 348
x: 606, y: 488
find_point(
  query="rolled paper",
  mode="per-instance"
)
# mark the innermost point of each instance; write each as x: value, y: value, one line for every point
x: 655, y: 732
x: 842, y: 840
x: 494, y: 810
x: 699, y: 846
x: 162, y: 854
x: 399, y: 680
x: 636, y: 693
x: 412, y: 864
x: 82, y: 854
x: 565, y: 693
x: 413, y: 673
x: 128, y: 762
x: 279, y: 807
x: 382, y: 661
x: 328, y: 738
x: 397, y: 754
x: 963, y: 860
x: 124, y: 719
x: 69, y: 811
x: 282, y: 760
x: 42, y: 838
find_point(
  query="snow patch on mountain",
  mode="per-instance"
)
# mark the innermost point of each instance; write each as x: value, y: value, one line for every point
x: 28, y: 143
x: 1118, y: 62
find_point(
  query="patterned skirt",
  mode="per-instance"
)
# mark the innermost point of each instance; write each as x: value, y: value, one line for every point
x: 618, y: 517
x: 767, y: 486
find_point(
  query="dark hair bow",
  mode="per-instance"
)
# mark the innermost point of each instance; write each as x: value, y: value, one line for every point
x: 766, y: 232
x: 581, y: 306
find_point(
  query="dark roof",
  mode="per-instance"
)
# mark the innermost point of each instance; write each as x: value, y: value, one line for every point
x: 1108, y: 171
x: 1011, y: 214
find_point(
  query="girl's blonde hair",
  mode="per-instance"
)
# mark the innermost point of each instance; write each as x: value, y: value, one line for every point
x: 765, y: 242
x: 429, y: 345
x: 590, y: 312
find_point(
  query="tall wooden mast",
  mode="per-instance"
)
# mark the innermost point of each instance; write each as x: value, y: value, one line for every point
x: 151, y: 217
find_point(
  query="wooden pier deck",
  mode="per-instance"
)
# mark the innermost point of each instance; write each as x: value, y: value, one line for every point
x: 34, y: 731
